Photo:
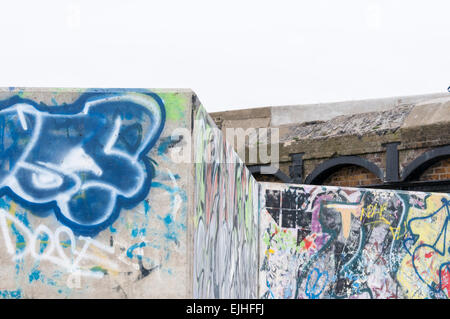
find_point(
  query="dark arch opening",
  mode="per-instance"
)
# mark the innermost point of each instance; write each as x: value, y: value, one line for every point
x: 415, y: 169
x: 352, y: 176
x: 325, y: 169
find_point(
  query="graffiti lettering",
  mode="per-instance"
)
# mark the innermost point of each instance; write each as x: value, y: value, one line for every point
x: 85, y: 160
x: 55, y: 251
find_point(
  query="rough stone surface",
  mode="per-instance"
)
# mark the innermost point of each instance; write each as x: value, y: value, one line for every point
x: 378, y: 123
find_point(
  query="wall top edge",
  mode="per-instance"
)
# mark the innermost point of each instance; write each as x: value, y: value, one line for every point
x: 275, y: 185
x: 93, y: 90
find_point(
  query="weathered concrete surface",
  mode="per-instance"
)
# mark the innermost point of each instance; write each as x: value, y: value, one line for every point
x: 325, y: 111
x: 430, y: 112
x: 122, y: 193
x: 357, y: 124
x: 276, y: 116
x: 50, y: 249
x: 246, y: 118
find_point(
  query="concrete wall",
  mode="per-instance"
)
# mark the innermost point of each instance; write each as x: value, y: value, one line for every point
x: 91, y: 203
x: 122, y: 194
x: 114, y: 193
x: 305, y: 113
x: 330, y: 242
x: 275, y: 116
x: 226, y: 217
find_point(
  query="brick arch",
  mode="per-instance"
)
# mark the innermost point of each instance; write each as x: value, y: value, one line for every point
x: 327, y: 168
x: 418, y: 166
x: 437, y: 172
x: 352, y: 176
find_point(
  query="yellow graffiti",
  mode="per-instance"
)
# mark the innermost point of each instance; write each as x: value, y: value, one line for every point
x: 427, y: 230
x: 269, y: 251
x: 373, y: 210
x: 376, y: 211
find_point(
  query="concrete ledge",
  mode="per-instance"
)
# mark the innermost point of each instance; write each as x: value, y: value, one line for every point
x: 429, y: 113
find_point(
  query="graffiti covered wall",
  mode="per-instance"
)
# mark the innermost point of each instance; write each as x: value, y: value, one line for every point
x: 330, y: 242
x: 225, y: 217
x: 91, y: 205
x: 132, y: 193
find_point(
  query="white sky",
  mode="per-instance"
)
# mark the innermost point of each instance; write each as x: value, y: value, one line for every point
x: 233, y: 54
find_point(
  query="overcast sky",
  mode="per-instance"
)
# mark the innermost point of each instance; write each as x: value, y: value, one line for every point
x: 233, y: 54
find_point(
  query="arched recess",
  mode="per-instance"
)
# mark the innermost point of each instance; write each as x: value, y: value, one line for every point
x: 325, y: 169
x: 269, y: 170
x: 424, y: 161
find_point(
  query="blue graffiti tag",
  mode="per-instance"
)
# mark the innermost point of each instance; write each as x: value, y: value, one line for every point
x: 314, y: 290
x: 441, y: 250
x: 84, y: 161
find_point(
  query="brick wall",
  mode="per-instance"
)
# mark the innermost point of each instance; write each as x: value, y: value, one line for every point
x: 415, y: 128
x: 352, y: 176
x: 438, y: 171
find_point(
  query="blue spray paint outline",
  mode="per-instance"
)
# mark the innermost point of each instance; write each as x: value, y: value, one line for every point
x: 313, y: 294
x: 90, y: 95
x: 415, y: 237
